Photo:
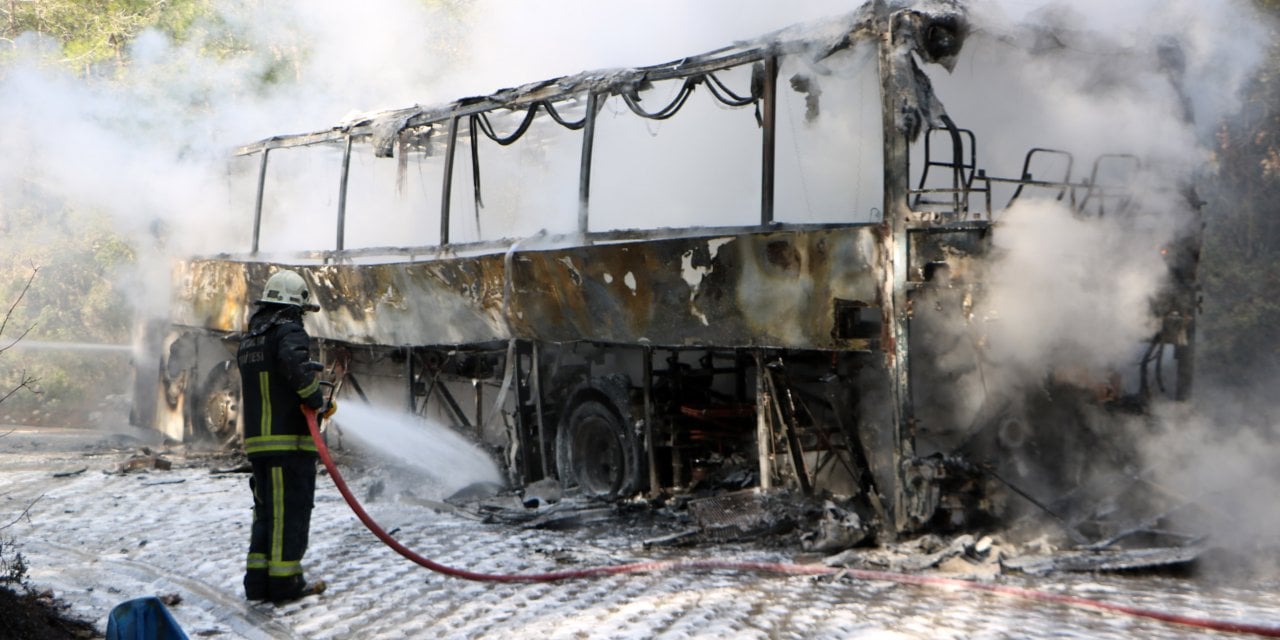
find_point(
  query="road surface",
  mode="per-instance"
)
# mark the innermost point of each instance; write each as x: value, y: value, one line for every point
x: 97, y: 536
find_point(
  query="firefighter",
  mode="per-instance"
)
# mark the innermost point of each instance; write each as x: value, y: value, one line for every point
x: 278, y: 378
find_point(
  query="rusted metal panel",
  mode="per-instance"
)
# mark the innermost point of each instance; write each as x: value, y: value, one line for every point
x: 407, y: 303
x: 757, y: 289
x: 775, y: 289
x: 211, y: 294
x: 962, y: 248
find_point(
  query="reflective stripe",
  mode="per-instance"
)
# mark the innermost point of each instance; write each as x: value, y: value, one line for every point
x: 284, y: 569
x: 264, y: 386
x: 279, y: 444
x: 309, y: 389
x: 277, y: 517
x: 256, y: 561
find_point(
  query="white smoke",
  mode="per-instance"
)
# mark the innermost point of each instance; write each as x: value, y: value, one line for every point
x: 1070, y: 290
x: 148, y: 143
x: 1069, y: 293
x: 1066, y: 291
x: 1225, y: 472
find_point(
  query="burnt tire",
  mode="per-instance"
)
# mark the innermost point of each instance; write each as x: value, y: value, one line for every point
x: 216, y: 418
x: 596, y: 451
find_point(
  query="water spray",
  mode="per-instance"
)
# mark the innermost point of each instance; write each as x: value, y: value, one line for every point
x: 36, y: 345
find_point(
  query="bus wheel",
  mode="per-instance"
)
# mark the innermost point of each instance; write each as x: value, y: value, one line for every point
x: 595, y: 451
x: 217, y: 415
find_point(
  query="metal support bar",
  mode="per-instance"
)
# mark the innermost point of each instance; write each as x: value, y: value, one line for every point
x: 350, y: 379
x: 446, y: 192
x: 342, y: 196
x: 764, y: 434
x: 537, y: 404
x: 648, y: 420
x: 853, y: 436
x: 1185, y: 355
x: 257, y: 205
x: 786, y: 414
x: 523, y: 456
x: 960, y: 193
x: 478, y: 388
x: 584, y: 169
x: 409, y: 373
x: 895, y: 77
x: 452, y: 403
x: 769, y: 139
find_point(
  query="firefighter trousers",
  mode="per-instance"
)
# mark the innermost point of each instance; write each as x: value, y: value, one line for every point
x: 284, y: 490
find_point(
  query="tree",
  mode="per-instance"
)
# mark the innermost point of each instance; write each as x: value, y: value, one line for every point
x: 93, y: 32
x: 1241, y: 323
x: 24, y: 381
x: 77, y: 298
x: 26, y: 613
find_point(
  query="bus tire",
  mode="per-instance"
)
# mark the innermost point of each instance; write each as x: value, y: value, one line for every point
x: 596, y: 451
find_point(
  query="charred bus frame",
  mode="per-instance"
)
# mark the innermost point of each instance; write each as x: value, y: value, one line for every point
x: 621, y: 388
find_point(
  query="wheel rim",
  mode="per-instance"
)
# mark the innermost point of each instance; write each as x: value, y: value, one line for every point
x: 597, y: 457
x: 222, y: 414
x: 219, y: 412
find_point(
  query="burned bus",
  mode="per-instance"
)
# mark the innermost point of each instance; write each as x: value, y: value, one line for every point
x: 763, y: 269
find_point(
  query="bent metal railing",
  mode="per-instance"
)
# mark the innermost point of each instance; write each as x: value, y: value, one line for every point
x: 583, y: 92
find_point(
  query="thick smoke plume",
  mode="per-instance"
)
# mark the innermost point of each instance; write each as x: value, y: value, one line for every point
x: 1072, y: 295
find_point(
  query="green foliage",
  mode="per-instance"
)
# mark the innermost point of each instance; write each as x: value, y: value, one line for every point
x: 1241, y: 270
x: 75, y: 298
x: 94, y: 36
x: 94, y: 32
x: 13, y: 567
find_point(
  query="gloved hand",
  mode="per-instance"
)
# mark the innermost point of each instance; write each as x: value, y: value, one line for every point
x: 328, y: 409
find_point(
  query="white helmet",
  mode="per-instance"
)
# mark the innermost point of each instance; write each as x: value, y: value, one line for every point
x: 287, y: 287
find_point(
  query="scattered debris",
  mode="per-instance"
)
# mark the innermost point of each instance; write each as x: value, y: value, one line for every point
x: 738, y: 514
x: 374, y: 490
x: 543, y: 492
x: 243, y: 467
x: 475, y: 491
x: 839, y: 529
x: 963, y: 554
x: 572, y: 518
x: 1103, y: 560
x: 688, y: 536
x: 144, y: 462
x: 988, y: 556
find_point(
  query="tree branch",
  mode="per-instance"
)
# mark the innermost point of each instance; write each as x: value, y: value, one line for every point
x: 26, y: 383
x: 21, y: 294
x: 23, y: 514
x: 15, y: 340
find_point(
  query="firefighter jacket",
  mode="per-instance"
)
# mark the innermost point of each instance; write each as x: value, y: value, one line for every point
x: 276, y: 381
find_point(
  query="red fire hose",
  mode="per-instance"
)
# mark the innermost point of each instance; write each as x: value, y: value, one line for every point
x: 763, y: 567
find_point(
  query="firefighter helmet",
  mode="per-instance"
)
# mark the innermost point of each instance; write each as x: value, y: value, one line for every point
x: 287, y: 287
